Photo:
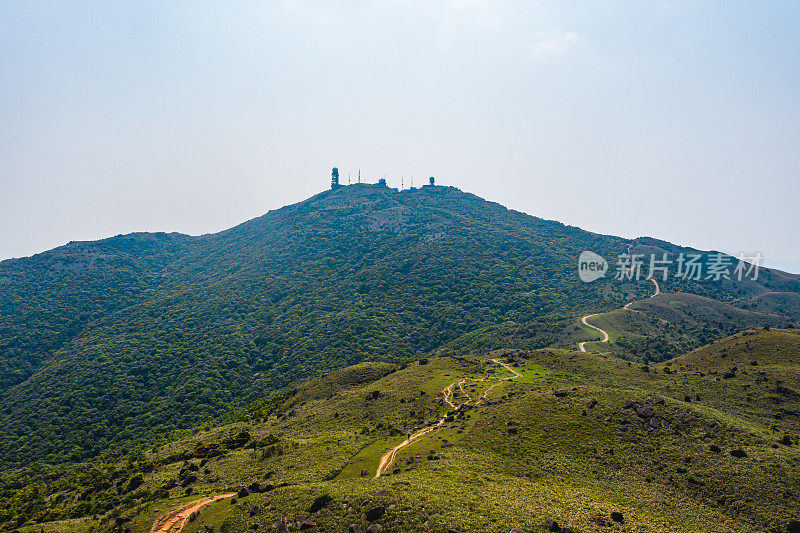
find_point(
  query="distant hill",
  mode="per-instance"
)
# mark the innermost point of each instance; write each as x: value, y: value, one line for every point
x: 108, y: 341
x: 582, y: 441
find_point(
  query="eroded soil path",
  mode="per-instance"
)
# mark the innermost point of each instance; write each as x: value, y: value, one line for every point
x: 604, y: 333
x: 175, y: 521
x: 387, y: 460
x: 656, y: 293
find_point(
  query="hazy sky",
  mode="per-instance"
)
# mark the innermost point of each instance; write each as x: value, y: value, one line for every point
x: 677, y: 120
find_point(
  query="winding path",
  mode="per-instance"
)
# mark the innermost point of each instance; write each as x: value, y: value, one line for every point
x: 658, y: 291
x: 389, y: 457
x: 582, y: 345
x: 176, y: 521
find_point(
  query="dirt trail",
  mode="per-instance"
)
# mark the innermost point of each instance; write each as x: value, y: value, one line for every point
x: 499, y: 362
x: 582, y: 345
x: 175, y: 521
x: 388, y: 458
x: 464, y: 392
x: 658, y: 291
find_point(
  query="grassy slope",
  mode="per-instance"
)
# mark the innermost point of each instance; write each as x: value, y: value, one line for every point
x: 207, y: 324
x: 102, y: 343
x: 566, y: 462
x: 669, y: 324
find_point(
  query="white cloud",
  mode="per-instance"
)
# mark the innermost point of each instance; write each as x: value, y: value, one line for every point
x: 554, y: 46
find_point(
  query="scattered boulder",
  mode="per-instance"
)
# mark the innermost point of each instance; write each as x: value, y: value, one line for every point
x: 364, y: 473
x: 354, y: 528
x: 559, y: 393
x: 516, y: 530
x: 188, y: 480
x: 714, y: 448
x: 255, y: 510
x: 383, y: 492
x: 280, y: 526
x: 628, y: 405
x: 193, y: 516
x: 591, y: 404
x: 729, y: 374
x: 209, y: 528
x: 645, y: 412
x: 552, y: 525
x: 374, y: 528
x: 658, y: 400
x: 319, y: 503
x: 304, y: 521
x: 616, y: 516
x: 375, y: 513
x: 738, y: 453
x: 423, y: 361
x: 243, y: 492
x: 513, y: 430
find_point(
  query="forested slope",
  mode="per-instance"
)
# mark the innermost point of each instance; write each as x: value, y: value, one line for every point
x: 137, y: 335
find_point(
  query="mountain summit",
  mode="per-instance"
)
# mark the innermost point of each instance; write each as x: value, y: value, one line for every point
x: 102, y: 342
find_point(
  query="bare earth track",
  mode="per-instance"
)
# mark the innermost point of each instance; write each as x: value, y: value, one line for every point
x: 582, y: 345
x: 389, y: 457
x: 175, y: 521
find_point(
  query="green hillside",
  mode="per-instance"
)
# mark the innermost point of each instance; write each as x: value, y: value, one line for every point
x: 103, y: 343
x: 670, y: 324
x: 591, y: 442
x: 650, y: 330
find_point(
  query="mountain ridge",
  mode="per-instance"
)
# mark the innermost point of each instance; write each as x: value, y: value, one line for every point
x: 150, y: 332
x: 582, y: 440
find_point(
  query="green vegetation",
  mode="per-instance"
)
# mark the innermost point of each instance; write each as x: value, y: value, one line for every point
x: 617, y: 439
x: 108, y: 341
x: 142, y: 372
